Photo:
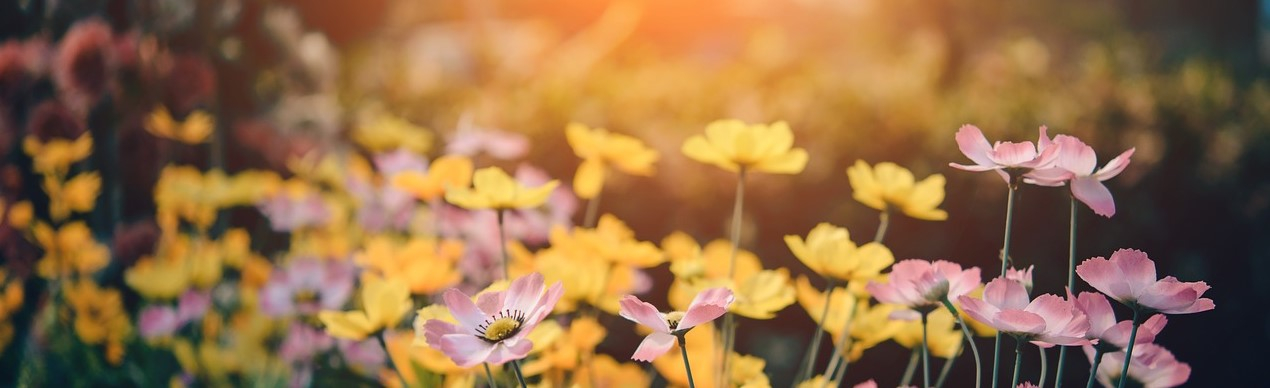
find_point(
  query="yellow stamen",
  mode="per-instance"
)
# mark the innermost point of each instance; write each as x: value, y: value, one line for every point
x: 501, y: 329
x: 673, y: 318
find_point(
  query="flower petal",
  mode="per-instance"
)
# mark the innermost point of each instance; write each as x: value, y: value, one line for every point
x: 1095, y: 195
x: 639, y: 311
x: 1017, y: 321
x: 1137, y: 269
x: 654, y: 345
x: 509, y: 350
x: 1006, y: 294
x: 974, y: 145
x: 466, y: 350
x: 1115, y: 166
x: 463, y: 309
x: 1105, y: 277
x: 791, y: 162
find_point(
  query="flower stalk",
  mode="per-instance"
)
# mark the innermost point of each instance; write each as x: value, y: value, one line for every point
x: 729, y: 321
x: 519, y: 376
x: 1128, y: 349
x: 1071, y: 285
x: 502, y: 244
x: 969, y: 339
x: 683, y: 350
x: 1018, y: 361
x: 391, y: 363
x: 925, y: 353
x: 809, y: 359
x: 1005, y: 259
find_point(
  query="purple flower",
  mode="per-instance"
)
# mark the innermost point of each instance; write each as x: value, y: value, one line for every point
x: 306, y: 286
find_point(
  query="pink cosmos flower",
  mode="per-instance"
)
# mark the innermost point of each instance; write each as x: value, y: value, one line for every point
x: 921, y: 284
x: 157, y: 322
x: 193, y: 305
x: 493, y: 329
x: 381, y: 207
x: 867, y: 384
x: 667, y: 327
x: 1104, y: 328
x: 306, y: 286
x: 1076, y: 163
x: 1006, y: 158
x: 1152, y: 367
x: 470, y: 140
x: 302, y: 343
x: 1023, y: 276
x: 1130, y: 278
x: 287, y: 212
x: 1046, y: 321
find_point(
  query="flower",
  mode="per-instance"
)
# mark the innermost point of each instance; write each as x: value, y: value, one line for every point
x: 384, y: 302
x: 923, y: 284
x: 424, y: 264
x: 870, y: 325
x: 384, y: 132
x: 943, y: 338
x: 470, y: 140
x: 1046, y: 321
x: 307, y: 286
x: 494, y: 329
x: 84, y: 64
x: 1022, y: 276
x: 445, y: 171
x: 1152, y: 367
x: 734, y: 145
x: 1129, y: 277
x: 887, y: 184
x: 55, y: 156
x: 705, y: 307
x: 1010, y: 160
x: 196, y: 128
x: 598, y: 149
x: 79, y: 194
x: 296, y: 205
x: 828, y: 251
x: 99, y: 316
x: 70, y: 249
x: 1104, y: 328
x: 1076, y: 164
x: 494, y: 189
x: 758, y: 293
x: 157, y: 322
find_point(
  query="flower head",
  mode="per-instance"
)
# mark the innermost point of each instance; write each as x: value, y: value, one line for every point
x: 445, y: 171
x: 599, y: 149
x: 1022, y: 276
x: 493, y: 329
x: 307, y: 286
x: 84, y: 65
x: 383, y: 132
x: 1010, y: 160
x: 733, y: 145
x: 923, y: 284
x: 1077, y: 164
x: 1129, y: 277
x: 384, y: 302
x: 1104, y: 328
x: 196, y: 128
x: 889, y: 185
x: 707, y: 306
x: 1046, y: 321
x: 1152, y: 366
x: 828, y: 251
x: 494, y: 189
x: 56, y: 155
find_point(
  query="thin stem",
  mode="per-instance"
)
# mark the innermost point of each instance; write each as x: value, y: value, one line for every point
x: 943, y: 371
x: 592, y: 210
x: 910, y: 368
x: 1071, y: 285
x: 1018, y: 361
x: 884, y: 220
x: 502, y: 243
x: 809, y: 359
x: 1128, y: 349
x: 1093, y: 367
x: 840, y: 370
x: 519, y: 377
x: 1005, y: 258
x: 925, y: 354
x: 1044, y: 367
x: 729, y: 323
x: 842, y: 347
x: 391, y: 363
x: 489, y: 374
x: 683, y: 350
x: 970, y: 340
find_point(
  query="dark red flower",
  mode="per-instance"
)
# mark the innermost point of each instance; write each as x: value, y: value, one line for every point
x: 85, y: 64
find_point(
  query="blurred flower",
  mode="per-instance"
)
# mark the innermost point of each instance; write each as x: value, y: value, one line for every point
x: 869, y: 325
x: 423, y: 263
x: 11, y: 296
x: 19, y: 214
x: 99, y: 316
x: 429, y: 357
x: 493, y: 329
x: 157, y: 322
x: 470, y: 141
x: 920, y: 284
x: 828, y: 251
x: 84, y: 66
x: 758, y: 293
x: 943, y: 337
x: 70, y: 249
x: 1075, y: 164
x: 383, y: 133
x: 445, y: 171
x: 158, y: 279
x: 18, y: 68
x: 1010, y: 160
x: 888, y: 184
x: 1152, y: 367
x: 384, y: 302
x: 302, y: 343
x: 733, y: 145
x: 607, y: 372
x: 190, y: 82
x: 1129, y: 277
x: 1023, y: 277
x: 611, y: 241
x: 705, y: 307
x: 79, y: 194
x: 1046, y: 321
x: 196, y: 128
x: 494, y: 189
x: 193, y: 305
x: 196, y: 196
x: 296, y: 205
x: 599, y: 148
x: 1104, y: 328
x: 56, y: 156
x: 305, y: 286
x: 380, y: 206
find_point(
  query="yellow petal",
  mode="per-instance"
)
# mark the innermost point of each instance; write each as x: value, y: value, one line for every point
x: 697, y: 148
x: 589, y: 179
x: 863, y: 187
x: 534, y: 197
x: 352, y: 325
x: 792, y: 162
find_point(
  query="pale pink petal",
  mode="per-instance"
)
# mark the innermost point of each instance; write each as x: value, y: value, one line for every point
x: 654, y: 345
x: 434, y: 329
x: 466, y: 350
x: 508, y: 350
x: 1075, y: 156
x: 885, y: 293
x: 1173, y: 297
x: 974, y: 145
x: 1016, y: 321
x: 1098, y: 310
x: 978, y: 309
x: 1115, y: 166
x: 1151, y: 328
x: 1011, y: 154
x: 157, y: 321
x: 543, y: 308
x: 705, y: 307
x: 1050, y: 177
x: 974, y: 167
x: 1044, y: 159
x: 867, y: 384
x: 1043, y: 140
x: 1138, y: 270
x: 463, y: 309
x: 1062, y: 318
x: 1005, y: 294
x: 491, y: 303
x: 524, y: 292
x: 1094, y: 194
x: 1106, y: 278
x: 963, y: 282
x: 719, y: 296
x: 639, y: 311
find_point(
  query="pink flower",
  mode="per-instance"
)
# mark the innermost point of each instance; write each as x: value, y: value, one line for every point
x: 1046, y: 321
x: 493, y: 329
x: 921, y: 284
x: 1006, y: 158
x: 287, y: 212
x: 302, y: 343
x: 1076, y: 163
x: 705, y: 307
x: 1129, y: 277
x: 1104, y: 328
x: 470, y: 140
x: 306, y: 286
x: 157, y: 322
x: 1027, y: 384
x: 84, y: 66
x: 867, y: 384
x: 193, y: 305
x: 1152, y: 367
x: 1023, y: 276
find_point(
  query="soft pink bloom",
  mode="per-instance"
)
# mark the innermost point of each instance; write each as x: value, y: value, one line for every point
x: 493, y: 329
x: 288, y: 212
x: 381, y: 207
x: 1027, y: 384
x: 1076, y: 163
x: 1152, y: 367
x: 705, y: 307
x: 470, y: 140
x: 1003, y: 157
x: 401, y: 160
x: 923, y: 284
x: 193, y: 305
x: 1046, y: 321
x: 1104, y: 328
x: 1130, y: 278
x: 84, y: 66
x: 157, y: 322
x: 306, y: 286
x: 867, y: 384
x: 1023, y: 276
x: 365, y: 356
x: 302, y: 343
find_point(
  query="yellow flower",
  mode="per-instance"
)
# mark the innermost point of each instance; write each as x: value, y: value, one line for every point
x: 384, y: 302
x: 943, y: 337
x: 818, y: 381
x: 383, y: 133
x: 10, y: 300
x: 71, y: 249
x: 406, y: 352
x: 158, y: 279
x: 828, y: 251
x: 869, y: 326
x: 733, y: 145
x: 759, y: 293
x: 196, y: 196
x: 608, y: 372
x: 611, y: 241
x: 423, y: 264
x: 889, y: 185
x: 586, y: 279
x: 99, y: 314
x: 196, y: 128
x: 747, y: 371
x: 494, y: 189
x: 20, y: 214
x: 57, y: 156
x: 599, y: 148
x: 445, y: 171
x: 79, y: 194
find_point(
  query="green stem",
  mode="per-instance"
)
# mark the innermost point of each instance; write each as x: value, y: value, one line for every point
x: 1071, y: 285
x: 925, y: 354
x: 809, y: 359
x: 1005, y: 259
x: 729, y: 324
x: 1044, y: 367
x: 1093, y: 367
x: 840, y: 370
x: 592, y: 210
x: 842, y: 347
x: 910, y: 368
x: 1128, y: 349
x: 1018, y: 361
x: 519, y: 376
x: 683, y: 350
x: 502, y: 243
x: 489, y: 374
x: 965, y: 331
x: 884, y: 220
x: 391, y: 364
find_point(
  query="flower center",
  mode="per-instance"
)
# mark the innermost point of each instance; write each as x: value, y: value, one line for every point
x: 502, y: 326
x: 673, y: 318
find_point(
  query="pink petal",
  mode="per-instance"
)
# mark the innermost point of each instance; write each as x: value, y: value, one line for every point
x: 466, y: 350
x: 974, y: 167
x: 719, y: 296
x: 705, y: 307
x: 1098, y: 310
x: 1075, y: 156
x: 1011, y: 154
x: 885, y: 293
x: 1115, y: 166
x: 524, y: 292
x: 508, y: 350
x: 1005, y: 294
x: 639, y: 311
x: 1050, y: 177
x: 974, y: 145
x: 491, y: 303
x: 867, y: 384
x: 978, y: 309
x: 1105, y: 277
x: 463, y: 309
x: 1095, y: 195
x: 1017, y: 321
x: 1138, y: 270
x: 1061, y: 316
x: 654, y: 345
x: 1043, y: 140
x: 964, y: 282
x: 434, y: 329
x: 1170, y: 296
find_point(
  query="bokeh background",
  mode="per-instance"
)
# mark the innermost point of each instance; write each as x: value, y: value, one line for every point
x: 1183, y: 82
